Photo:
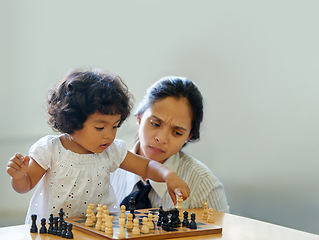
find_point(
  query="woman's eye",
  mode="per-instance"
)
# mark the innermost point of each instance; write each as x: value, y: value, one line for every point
x: 154, y: 124
x: 114, y: 127
x: 178, y: 133
x: 99, y: 128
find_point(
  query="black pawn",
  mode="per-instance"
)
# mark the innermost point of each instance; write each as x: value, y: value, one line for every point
x: 193, y: 224
x: 55, y: 226
x: 63, y: 232
x: 185, y: 220
x: 50, y: 229
x: 43, y: 228
x: 69, y: 234
x: 34, y: 227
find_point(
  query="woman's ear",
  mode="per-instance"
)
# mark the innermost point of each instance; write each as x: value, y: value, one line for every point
x: 138, y: 119
x: 189, y: 137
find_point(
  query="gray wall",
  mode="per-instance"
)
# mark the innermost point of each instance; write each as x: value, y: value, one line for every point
x: 256, y: 63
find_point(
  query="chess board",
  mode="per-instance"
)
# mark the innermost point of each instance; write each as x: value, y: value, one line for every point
x: 203, y: 227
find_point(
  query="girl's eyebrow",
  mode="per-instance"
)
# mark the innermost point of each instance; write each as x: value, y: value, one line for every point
x: 174, y: 126
x: 102, y: 121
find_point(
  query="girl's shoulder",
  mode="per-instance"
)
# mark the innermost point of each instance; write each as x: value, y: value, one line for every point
x: 47, y: 141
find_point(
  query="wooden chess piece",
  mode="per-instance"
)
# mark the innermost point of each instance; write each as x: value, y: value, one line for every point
x: 136, y: 228
x: 109, y: 224
x: 89, y: 221
x: 34, y: 227
x: 145, y: 229
x: 129, y: 225
x: 43, y: 228
x: 123, y: 209
x: 205, y: 211
x: 210, y: 218
x: 122, y: 233
x: 99, y: 217
x: 150, y: 221
x: 69, y: 234
x: 193, y: 224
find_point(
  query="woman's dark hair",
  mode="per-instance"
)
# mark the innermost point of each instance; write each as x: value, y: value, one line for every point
x: 84, y: 92
x: 177, y: 87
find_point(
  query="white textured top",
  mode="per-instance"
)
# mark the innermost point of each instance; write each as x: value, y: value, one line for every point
x: 72, y: 180
x: 204, y: 186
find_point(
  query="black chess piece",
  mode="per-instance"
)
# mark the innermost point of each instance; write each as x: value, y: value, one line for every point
x: 193, y: 224
x: 160, y: 216
x: 43, y: 228
x: 174, y: 218
x: 50, y: 229
x: 185, y: 220
x: 69, y: 234
x: 60, y: 220
x: 55, y: 225
x: 132, y: 206
x: 64, y: 230
x: 34, y: 227
x: 165, y: 221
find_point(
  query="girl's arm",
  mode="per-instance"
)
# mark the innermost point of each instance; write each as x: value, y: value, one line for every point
x: 156, y: 171
x: 25, y: 173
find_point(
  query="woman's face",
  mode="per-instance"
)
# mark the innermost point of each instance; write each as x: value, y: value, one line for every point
x: 164, y: 128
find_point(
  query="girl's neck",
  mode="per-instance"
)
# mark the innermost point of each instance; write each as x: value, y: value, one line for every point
x: 69, y: 144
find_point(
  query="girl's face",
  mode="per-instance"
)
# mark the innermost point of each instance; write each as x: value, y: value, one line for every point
x: 98, y: 133
x: 164, y: 128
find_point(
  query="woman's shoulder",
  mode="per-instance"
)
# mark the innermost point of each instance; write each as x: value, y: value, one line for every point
x: 194, y: 167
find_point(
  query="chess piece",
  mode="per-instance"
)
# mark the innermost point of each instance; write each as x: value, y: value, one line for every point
x: 50, y: 229
x: 160, y: 216
x: 210, y: 217
x: 205, y: 211
x: 99, y: 217
x: 145, y: 229
x: 129, y: 225
x: 69, y: 234
x: 109, y: 224
x: 64, y: 229
x: 150, y: 221
x: 55, y: 226
x: 193, y: 224
x: 185, y: 221
x: 180, y: 208
x: 34, y: 227
x: 122, y: 233
x: 136, y: 227
x: 43, y: 228
x: 89, y: 221
x: 123, y: 215
x: 165, y: 220
x: 174, y: 220
x: 92, y: 206
x: 132, y: 206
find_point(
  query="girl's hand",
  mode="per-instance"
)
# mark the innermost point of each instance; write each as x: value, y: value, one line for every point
x: 176, y: 186
x: 18, y: 166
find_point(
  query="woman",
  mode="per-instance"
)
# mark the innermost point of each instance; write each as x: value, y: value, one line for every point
x: 169, y: 117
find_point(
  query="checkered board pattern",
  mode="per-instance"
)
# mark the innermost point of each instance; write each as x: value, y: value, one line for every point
x: 203, y: 227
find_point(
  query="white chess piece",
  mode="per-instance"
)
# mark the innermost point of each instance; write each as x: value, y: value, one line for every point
x: 89, y: 222
x: 122, y: 233
x: 136, y: 228
x: 123, y: 209
x: 205, y: 211
x: 150, y: 221
x: 210, y: 217
x: 129, y: 225
x: 145, y: 228
x: 109, y: 224
x: 99, y: 217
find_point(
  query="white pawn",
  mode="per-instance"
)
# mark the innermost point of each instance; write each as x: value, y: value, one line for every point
x: 205, y: 211
x: 180, y: 207
x: 136, y: 228
x: 89, y: 222
x: 210, y: 218
x: 122, y: 233
x: 150, y: 221
x: 129, y: 225
x: 92, y: 206
x: 145, y: 228
x: 109, y: 224
x: 123, y: 209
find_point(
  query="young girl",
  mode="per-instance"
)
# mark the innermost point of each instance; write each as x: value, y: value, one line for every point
x: 87, y: 108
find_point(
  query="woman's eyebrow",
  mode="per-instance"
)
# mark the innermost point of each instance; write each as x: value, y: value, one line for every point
x: 174, y: 126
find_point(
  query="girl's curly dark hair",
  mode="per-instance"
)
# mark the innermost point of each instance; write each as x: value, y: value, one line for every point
x: 84, y: 92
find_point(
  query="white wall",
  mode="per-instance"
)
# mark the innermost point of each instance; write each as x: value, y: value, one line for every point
x: 256, y: 63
